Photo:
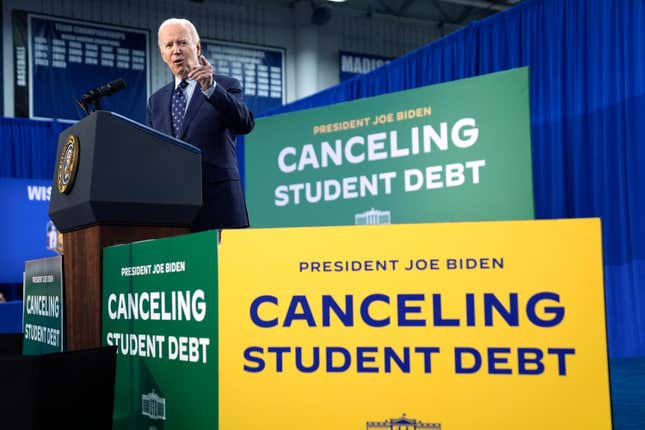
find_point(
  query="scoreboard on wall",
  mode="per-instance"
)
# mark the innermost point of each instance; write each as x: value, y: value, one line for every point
x: 57, y: 60
x: 259, y: 69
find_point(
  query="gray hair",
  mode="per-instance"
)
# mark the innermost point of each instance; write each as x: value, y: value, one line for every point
x: 184, y: 23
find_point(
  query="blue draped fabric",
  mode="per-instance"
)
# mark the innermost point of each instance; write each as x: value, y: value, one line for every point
x: 28, y: 147
x: 587, y: 69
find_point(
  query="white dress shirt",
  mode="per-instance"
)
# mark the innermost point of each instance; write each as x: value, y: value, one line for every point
x: 190, y: 89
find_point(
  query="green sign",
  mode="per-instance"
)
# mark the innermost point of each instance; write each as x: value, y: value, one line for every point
x: 458, y: 151
x: 43, y: 306
x: 160, y: 310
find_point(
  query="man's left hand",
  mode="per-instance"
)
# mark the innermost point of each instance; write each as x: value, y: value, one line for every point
x: 203, y: 73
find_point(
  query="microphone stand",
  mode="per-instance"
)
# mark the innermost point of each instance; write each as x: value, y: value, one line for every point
x: 90, y: 104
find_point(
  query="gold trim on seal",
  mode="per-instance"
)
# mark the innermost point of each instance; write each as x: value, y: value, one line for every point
x: 67, y: 164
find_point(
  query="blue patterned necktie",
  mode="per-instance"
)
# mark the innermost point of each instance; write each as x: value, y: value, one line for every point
x: 178, y: 107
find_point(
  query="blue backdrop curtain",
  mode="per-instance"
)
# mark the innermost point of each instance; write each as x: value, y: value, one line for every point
x: 28, y: 147
x: 587, y: 67
x: 587, y: 70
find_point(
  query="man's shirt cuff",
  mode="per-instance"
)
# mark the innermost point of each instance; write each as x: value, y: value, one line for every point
x: 209, y: 92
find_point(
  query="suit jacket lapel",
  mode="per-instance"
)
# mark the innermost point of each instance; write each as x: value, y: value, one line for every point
x: 193, y: 107
x: 166, y: 97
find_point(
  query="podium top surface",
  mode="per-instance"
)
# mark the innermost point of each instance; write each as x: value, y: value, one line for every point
x: 147, y: 129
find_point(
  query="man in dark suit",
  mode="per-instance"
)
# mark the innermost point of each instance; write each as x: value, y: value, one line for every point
x: 205, y: 110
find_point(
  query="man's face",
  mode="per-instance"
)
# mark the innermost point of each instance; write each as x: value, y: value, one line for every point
x: 178, y: 50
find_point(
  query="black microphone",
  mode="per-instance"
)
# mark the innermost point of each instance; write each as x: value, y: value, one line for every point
x: 105, y: 90
x: 93, y: 96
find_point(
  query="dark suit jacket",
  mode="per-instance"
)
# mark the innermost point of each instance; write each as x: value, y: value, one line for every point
x: 211, y: 124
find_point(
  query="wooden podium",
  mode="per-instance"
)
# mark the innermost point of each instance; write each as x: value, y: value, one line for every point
x: 115, y: 181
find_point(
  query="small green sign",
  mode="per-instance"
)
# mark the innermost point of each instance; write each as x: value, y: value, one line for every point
x: 43, y: 306
x: 160, y: 310
x: 457, y: 151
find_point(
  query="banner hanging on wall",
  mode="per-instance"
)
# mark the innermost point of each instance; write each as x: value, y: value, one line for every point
x: 353, y: 64
x: 490, y: 325
x: 458, y: 151
x: 58, y: 60
x: 259, y: 69
x: 27, y: 232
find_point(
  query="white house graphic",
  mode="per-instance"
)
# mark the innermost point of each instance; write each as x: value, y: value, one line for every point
x: 153, y: 406
x: 373, y: 216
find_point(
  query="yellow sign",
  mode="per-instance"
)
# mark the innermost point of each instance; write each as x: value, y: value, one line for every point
x: 461, y: 326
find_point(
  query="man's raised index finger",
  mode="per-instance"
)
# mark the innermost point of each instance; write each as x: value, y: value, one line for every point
x: 205, y: 61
